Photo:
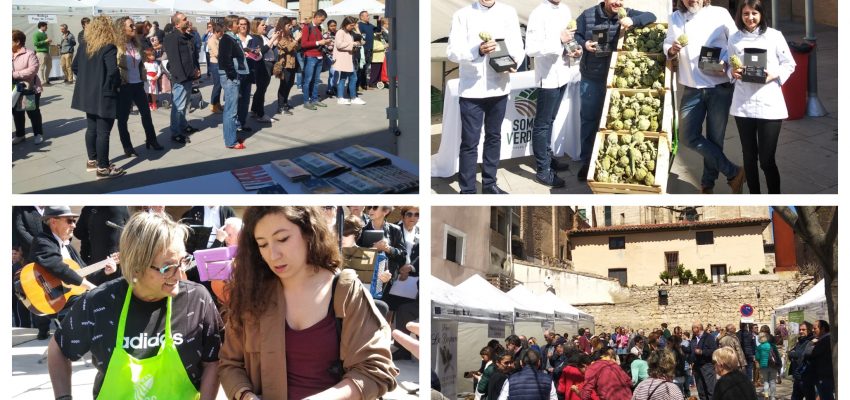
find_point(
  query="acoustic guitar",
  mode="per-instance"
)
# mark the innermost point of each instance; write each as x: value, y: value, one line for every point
x: 44, y: 294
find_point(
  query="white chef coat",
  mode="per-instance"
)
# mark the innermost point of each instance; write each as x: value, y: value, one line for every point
x: 709, y: 27
x: 552, y: 69
x: 477, y: 79
x: 756, y: 100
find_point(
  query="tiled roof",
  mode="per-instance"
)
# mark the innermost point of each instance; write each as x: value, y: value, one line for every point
x: 675, y: 226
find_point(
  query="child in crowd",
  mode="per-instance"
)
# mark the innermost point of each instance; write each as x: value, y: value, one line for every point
x: 154, y: 71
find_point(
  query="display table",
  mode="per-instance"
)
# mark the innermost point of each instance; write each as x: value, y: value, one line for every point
x: 225, y: 183
x: 516, y: 128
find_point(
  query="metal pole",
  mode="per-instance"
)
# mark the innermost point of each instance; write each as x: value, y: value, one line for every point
x: 392, y: 67
x: 814, y: 107
x: 774, y: 14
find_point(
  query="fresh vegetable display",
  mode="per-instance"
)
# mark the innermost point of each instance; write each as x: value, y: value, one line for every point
x: 626, y: 158
x: 636, y: 112
x: 485, y: 36
x: 648, y: 39
x: 635, y: 70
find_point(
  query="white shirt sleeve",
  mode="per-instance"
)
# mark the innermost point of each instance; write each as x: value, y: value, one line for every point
x: 731, y: 28
x: 459, y: 48
x: 783, y: 54
x: 537, y: 43
x: 503, y: 395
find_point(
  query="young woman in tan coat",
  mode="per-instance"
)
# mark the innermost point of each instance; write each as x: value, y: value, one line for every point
x: 295, y: 328
x: 344, y: 46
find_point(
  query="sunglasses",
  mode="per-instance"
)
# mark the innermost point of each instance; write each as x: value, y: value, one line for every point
x: 411, y: 214
x: 70, y: 221
x: 374, y: 207
x: 328, y: 208
x: 170, y: 270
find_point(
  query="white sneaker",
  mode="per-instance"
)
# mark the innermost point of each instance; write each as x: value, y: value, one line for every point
x: 343, y: 101
x: 39, y: 139
x: 358, y: 101
x: 18, y: 140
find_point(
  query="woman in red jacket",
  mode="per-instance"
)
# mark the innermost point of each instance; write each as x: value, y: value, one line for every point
x: 605, y: 379
x: 572, y: 377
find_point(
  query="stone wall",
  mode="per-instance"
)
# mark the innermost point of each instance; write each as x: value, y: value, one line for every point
x: 707, y: 303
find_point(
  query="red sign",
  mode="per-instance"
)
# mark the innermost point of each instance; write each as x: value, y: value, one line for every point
x: 747, y: 310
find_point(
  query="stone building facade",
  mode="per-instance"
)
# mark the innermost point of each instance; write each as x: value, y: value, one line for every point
x: 640, y: 307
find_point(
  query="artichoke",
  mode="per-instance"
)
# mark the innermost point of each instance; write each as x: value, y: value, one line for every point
x: 618, y: 125
x: 638, y: 139
x: 622, y: 13
x: 624, y: 161
x: 643, y: 124
x: 629, y: 113
x: 736, y: 61
x: 572, y: 25
x: 649, y: 180
x: 683, y: 39
x: 640, y: 174
x: 625, y: 139
x: 485, y: 36
x: 612, y: 138
x: 602, y: 176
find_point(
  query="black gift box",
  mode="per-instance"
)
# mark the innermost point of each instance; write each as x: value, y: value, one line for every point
x: 500, y: 59
x: 571, y: 46
x: 600, y: 36
x: 755, y: 61
x: 709, y: 60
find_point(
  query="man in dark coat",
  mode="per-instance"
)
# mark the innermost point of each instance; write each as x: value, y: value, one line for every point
x: 27, y: 225
x: 702, y: 348
x: 804, y: 383
x: 368, y: 32
x: 51, y: 247
x: 819, y: 359
x: 184, y: 67
x: 529, y: 382
x: 99, y: 231
x: 748, y: 345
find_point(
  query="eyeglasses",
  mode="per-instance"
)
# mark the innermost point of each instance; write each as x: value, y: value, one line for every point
x: 170, y: 270
x: 374, y: 207
x: 71, y: 221
x: 411, y: 214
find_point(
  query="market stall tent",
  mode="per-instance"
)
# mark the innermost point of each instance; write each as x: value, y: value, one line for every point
x: 354, y: 7
x: 272, y: 9
x: 539, y: 312
x: 812, y: 303
x: 60, y: 7
x: 129, y: 7
x: 566, y: 316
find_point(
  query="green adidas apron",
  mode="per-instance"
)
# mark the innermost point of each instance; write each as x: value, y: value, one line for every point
x: 159, y: 377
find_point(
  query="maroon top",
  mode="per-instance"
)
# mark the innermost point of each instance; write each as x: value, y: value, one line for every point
x: 309, y: 354
x: 310, y: 34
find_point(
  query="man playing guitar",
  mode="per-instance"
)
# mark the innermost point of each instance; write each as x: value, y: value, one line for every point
x: 51, y: 247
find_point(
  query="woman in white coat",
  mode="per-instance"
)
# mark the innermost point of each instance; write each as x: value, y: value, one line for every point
x: 759, y: 108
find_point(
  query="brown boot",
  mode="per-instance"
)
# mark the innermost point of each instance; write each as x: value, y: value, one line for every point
x: 216, y: 108
x: 737, y: 183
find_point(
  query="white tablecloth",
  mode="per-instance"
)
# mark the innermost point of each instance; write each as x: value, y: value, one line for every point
x: 225, y: 183
x: 516, y: 128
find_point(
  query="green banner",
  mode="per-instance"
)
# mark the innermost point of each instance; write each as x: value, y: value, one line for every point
x: 796, y: 316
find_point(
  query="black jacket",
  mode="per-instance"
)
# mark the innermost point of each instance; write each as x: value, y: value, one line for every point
x: 734, y: 386
x: 795, y: 357
x: 46, y: 252
x: 97, y: 239
x: 707, y: 344
x: 28, y: 224
x: 397, y: 254
x: 748, y: 344
x: 228, y: 49
x: 820, y: 359
x: 591, y: 66
x: 98, y: 80
x: 195, y: 215
x: 182, y: 56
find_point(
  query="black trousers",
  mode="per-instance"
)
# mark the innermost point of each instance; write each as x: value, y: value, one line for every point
x: 263, y: 77
x: 129, y: 94
x: 35, y: 119
x: 474, y: 113
x: 759, y: 138
x: 363, y: 73
x: 375, y: 74
x: 97, y: 138
x: 286, y: 83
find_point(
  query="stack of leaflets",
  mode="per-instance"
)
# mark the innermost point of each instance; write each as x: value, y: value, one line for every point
x: 320, y: 186
x: 361, y: 157
x: 356, y: 183
x: 291, y: 170
x: 253, y: 178
x: 393, y: 177
x: 320, y: 165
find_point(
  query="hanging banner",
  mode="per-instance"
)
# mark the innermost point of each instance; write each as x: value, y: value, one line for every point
x: 202, y: 20
x: 496, y: 329
x: 444, y: 354
x: 36, y: 18
x: 139, y: 18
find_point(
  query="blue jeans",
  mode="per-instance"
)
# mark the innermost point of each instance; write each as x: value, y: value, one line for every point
x: 592, y: 98
x: 548, y: 101
x: 333, y: 78
x: 474, y: 113
x: 215, y: 98
x: 180, y: 96
x: 229, y: 121
x: 300, y: 75
x: 244, y: 100
x: 311, y: 79
x: 712, y: 106
x: 352, y: 85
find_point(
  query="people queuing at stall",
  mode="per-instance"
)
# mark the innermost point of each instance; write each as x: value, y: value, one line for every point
x: 657, y: 371
x: 563, y: 50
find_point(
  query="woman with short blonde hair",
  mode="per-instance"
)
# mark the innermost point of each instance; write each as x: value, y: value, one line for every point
x: 732, y: 384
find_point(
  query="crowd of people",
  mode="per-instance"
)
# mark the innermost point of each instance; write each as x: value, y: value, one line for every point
x: 298, y: 322
x: 708, y: 362
x: 567, y: 55
x: 117, y: 63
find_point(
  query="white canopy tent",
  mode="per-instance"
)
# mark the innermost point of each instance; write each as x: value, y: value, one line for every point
x: 566, y: 316
x: 271, y: 9
x: 812, y: 303
x: 59, y: 7
x: 194, y: 7
x: 354, y: 7
x: 540, y: 312
x: 127, y: 7
x: 232, y: 7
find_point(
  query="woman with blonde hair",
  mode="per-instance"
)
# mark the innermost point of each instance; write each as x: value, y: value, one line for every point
x: 96, y: 93
x: 132, y: 90
x: 297, y: 327
x: 151, y: 333
x: 732, y: 384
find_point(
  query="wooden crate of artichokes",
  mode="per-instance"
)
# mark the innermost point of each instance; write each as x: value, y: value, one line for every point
x: 628, y: 163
